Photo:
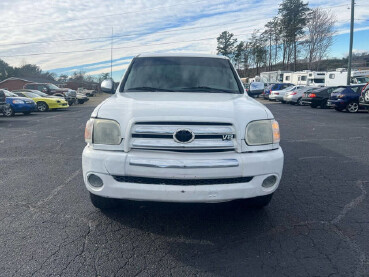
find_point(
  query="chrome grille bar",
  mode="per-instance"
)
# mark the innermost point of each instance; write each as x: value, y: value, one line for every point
x: 171, y: 144
x: 169, y: 130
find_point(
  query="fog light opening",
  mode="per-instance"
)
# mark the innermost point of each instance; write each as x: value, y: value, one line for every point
x: 95, y: 181
x: 269, y: 181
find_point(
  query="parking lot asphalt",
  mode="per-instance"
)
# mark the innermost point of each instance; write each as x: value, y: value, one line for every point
x: 316, y: 225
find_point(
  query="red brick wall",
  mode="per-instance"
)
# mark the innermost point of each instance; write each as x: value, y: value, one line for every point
x: 13, y: 84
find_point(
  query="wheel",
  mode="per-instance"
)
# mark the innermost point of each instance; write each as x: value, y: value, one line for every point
x: 8, y: 111
x: 313, y: 105
x: 259, y: 202
x: 338, y: 109
x: 42, y: 107
x: 323, y: 104
x: 103, y: 203
x: 70, y: 103
x: 80, y: 101
x: 352, y: 107
x: 299, y: 102
x: 27, y: 113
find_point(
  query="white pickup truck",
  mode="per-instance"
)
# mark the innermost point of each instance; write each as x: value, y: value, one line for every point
x: 180, y: 128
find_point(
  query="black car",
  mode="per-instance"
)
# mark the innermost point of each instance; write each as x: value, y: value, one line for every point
x: 317, y: 97
x: 2, y: 101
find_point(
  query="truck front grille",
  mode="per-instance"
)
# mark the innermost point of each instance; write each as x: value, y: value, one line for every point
x: 206, y: 136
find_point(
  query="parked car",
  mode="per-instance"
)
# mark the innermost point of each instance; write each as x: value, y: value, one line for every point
x: 17, y: 104
x: 364, y: 98
x: 87, y: 92
x: 256, y: 89
x: 81, y: 98
x: 346, y: 98
x: 318, y: 97
x: 267, y: 89
x: 180, y: 128
x: 44, y: 103
x: 51, y: 89
x: 278, y: 96
x: 295, y: 96
x: 276, y: 88
x: 2, y: 100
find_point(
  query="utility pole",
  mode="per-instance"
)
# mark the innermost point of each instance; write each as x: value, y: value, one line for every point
x: 111, y: 55
x: 351, y: 42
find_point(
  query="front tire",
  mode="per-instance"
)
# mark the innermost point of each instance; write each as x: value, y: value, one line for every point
x: 299, y: 102
x: 42, y: 107
x: 352, y: 107
x: 27, y: 113
x: 313, y: 106
x: 103, y: 203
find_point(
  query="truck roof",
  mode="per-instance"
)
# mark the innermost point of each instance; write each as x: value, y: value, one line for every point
x: 194, y: 55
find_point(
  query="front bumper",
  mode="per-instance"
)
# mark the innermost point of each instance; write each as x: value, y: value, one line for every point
x: 111, y: 165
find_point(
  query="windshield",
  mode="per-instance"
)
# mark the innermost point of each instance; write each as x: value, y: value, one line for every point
x: 362, y: 80
x: 318, y: 81
x: 9, y: 94
x: 185, y: 74
x: 51, y: 86
x: 30, y: 94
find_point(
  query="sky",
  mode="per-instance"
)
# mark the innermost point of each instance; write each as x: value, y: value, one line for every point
x: 72, y: 35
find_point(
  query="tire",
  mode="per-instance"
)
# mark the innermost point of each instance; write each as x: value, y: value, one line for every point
x: 27, y: 113
x: 338, y: 109
x: 259, y: 202
x: 313, y: 105
x: 81, y: 101
x: 103, y: 203
x: 70, y: 103
x: 352, y: 107
x: 42, y: 107
x: 8, y: 112
x: 283, y: 102
x: 299, y: 102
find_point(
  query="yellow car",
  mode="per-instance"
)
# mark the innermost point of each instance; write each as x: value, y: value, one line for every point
x: 44, y: 102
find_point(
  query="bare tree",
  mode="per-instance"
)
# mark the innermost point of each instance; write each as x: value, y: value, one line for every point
x: 319, y: 36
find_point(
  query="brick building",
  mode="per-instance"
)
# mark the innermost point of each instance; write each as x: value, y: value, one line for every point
x: 14, y: 83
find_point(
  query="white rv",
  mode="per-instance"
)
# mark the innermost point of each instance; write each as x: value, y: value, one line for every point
x: 296, y: 78
x: 273, y: 76
x: 316, y: 78
x: 339, y: 77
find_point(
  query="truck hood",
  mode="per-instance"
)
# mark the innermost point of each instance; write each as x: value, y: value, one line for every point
x: 127, y: 108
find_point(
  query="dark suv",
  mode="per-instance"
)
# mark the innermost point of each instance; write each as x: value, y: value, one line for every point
x: 346, y: 97
x: 51, y: 89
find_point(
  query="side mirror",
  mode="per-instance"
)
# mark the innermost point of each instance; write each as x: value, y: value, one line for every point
x: 107, y: 86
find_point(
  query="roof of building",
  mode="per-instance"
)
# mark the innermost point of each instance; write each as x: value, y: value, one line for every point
x: 33, y: 80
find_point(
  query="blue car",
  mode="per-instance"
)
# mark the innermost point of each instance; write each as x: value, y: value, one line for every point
x: 16, y: 104
x: 346, y: 98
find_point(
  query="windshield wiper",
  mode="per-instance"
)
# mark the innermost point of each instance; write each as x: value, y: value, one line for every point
x: 148, y: 89
x: 207, y: 89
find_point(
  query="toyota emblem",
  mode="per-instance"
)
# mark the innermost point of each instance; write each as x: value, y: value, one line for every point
x: 183, y: 136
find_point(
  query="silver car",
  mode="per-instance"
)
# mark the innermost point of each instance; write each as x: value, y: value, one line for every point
x: 294, y: 96
x: 281, y: 94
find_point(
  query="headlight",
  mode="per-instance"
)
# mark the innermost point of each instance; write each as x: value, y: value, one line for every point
x: 103, y: 131
x: 18, y: 102
x: 262, y: 132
